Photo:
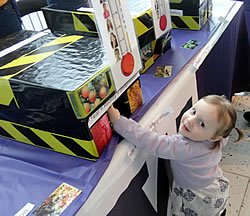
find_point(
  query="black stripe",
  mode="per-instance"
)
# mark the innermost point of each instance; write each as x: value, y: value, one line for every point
x: 146, y: 20
x: 5, y: 133
x: 178, y: 22
x: 75, y: 147
x: 13, y: 70
x: 196, y: 19
x: 12, y: 106
x: 32, y: 137
x: 48, y: 48
x: 30, y: 47
x: 24, y: 49
x: 146, y: 38
x: 108, y: 73
x: 87, y: 21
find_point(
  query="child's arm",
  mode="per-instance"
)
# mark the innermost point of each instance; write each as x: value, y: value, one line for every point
x: 169, y: 147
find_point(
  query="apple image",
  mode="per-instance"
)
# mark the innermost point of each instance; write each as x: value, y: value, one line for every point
x: 97, y: 102
x: 85, y: 91
x: 92, y: 96
x: 103, y: 92
x: 86, y: 107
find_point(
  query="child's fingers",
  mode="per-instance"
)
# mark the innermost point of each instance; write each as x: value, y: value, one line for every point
x: 111, y: 109
x: 113, y: 113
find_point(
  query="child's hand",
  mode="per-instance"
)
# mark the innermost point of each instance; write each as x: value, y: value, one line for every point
x: 113, y: 114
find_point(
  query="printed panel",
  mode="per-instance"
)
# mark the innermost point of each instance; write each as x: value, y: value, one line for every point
x: 118, y: 35
x: 161, y: 17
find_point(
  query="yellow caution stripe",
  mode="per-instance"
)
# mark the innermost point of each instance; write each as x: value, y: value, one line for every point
x: 22, y: 63
x: 84, y: 22
x: 147, y: 64
x: 143, y: 23
x: 8, y: 95
x: 186, y: 22
x: 37, y: 55
x: 59, y: 143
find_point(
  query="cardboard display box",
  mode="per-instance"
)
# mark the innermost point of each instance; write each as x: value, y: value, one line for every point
x: 64, y: 18
x: 150, y: 47
x: 191, y: 15
x: 51, y: 86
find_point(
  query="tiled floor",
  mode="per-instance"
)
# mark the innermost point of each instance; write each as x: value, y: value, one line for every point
x: 236, y: 162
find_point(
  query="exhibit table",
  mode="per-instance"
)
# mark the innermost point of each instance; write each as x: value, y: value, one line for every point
x: 29, y: 174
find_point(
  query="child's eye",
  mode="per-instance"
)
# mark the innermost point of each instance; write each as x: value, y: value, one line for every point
x: 193, y: 111
x: 202, y: 124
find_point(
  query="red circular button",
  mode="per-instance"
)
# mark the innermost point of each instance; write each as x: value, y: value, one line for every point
x: 163, y: 22
x: 127, y: 64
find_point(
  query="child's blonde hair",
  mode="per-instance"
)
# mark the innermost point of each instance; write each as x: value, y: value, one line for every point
x: 226, y: 116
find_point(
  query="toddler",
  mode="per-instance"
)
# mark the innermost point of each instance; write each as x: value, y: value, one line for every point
x: 199, y: 186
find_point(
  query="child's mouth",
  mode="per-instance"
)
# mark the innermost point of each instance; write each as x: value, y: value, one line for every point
x: 186, y: 128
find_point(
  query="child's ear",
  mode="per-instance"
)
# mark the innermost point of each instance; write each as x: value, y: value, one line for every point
x: 216, y: 138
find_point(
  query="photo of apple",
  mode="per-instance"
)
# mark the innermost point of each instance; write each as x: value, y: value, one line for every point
x: 96, y: 103
x: 86, y: 107
x: 92, y: 96
x: 85, y: 91
x: 103, y: 92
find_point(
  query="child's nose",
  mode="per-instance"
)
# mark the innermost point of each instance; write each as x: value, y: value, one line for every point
x: 191, y: 120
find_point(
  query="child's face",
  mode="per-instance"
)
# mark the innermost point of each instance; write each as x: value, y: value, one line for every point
x: 200, y: 122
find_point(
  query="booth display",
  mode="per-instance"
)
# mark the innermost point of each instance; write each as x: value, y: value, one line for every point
x: 150, y: 19
x: 108, y: 181
x: 190, y: 15
x: 55, y: 83
x: 50, y: 92
x: 64, y: 17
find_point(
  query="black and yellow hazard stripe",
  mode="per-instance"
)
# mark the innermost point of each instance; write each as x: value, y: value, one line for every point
x: 143, y: 23
x: 84, y: 22
x: 20, y: 64
x: 188, y: 15
x: 144, y: 28
x: 67, y: 145
x: 186, y: 22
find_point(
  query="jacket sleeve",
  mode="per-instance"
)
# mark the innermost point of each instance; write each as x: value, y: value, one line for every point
x: 163, y: 146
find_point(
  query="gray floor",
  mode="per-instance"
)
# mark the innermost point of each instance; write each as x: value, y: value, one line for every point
x: 236, y: 162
